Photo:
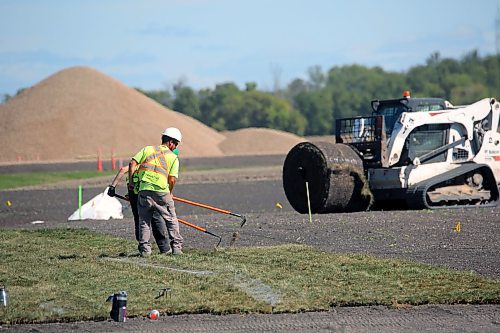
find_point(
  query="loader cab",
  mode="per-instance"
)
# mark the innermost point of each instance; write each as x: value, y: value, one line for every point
x: 392, y: 109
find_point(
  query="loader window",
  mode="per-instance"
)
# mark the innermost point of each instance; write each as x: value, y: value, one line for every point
x: 428, y: 107
x: 391, y: 114
x: 392, y: 110
x: 426, y: 139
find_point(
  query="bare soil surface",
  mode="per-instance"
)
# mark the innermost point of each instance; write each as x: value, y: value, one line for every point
x: 427, y: 318
x: 423, y: 236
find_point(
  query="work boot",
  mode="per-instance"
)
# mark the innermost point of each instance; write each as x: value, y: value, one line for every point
x: 177, y: 252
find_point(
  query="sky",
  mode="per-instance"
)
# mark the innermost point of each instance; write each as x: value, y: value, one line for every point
x: 152, y: 44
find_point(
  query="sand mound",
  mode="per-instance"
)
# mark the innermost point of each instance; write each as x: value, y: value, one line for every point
x: 75, y: 112
x: 79, y: 111
x: 258, y: 141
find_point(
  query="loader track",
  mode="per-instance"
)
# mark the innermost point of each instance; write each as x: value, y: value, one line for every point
x: 443, y: 191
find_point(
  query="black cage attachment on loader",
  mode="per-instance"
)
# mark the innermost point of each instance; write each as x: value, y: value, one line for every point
x: 367, y: 135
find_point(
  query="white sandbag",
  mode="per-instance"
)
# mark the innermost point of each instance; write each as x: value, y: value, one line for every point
x: 100, y: 207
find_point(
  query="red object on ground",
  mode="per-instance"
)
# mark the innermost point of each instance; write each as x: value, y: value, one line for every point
x: 154, y: 315
x: 99, y: 162
x: 113, y: 160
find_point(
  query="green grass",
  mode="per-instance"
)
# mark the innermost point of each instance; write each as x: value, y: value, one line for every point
x: 67, y: 274
x: 14, y: 180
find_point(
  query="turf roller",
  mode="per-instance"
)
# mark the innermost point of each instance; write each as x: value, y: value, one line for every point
x: 335, y: 177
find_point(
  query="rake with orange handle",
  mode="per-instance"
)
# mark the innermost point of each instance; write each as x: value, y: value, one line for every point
x: 223, y: 211
x: 194, y: 226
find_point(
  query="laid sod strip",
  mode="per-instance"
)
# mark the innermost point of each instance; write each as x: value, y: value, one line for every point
x: 67, y: 274
x: 15, y: 180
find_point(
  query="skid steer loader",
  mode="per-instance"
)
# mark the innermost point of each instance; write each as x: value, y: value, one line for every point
x: 418, y: 153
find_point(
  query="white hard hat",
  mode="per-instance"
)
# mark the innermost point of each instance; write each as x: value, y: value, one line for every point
x: 173, y: 133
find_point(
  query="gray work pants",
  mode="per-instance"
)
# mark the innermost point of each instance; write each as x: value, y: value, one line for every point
x: 158, y: 226
x: 163, y: 203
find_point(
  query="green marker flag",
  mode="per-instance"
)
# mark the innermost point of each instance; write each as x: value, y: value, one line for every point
x: 80, y: 201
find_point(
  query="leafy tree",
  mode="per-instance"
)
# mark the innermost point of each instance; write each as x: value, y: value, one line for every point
x: 211, y: 101
x: 6, y: 98
x: 295, y: 88
x: 353, y: 87
x: 186, y: 101
x: 164, y: 97
x: 311, y: 106
x: 266, y: 110
x: 228, y: 108
x: 467, y: 93
x: 317, y: 107
x: 251, y: 86
x: 492, y: 78
x: 317, y: 78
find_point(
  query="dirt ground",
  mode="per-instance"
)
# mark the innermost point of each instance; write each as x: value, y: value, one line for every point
x: 424, y: 236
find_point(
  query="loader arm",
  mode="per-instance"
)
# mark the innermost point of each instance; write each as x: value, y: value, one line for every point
x: 408, y: 122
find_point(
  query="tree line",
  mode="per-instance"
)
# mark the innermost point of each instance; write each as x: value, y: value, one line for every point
x: 310, y: 106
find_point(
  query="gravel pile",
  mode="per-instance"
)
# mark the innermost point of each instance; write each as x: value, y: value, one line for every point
x: 78, y: 112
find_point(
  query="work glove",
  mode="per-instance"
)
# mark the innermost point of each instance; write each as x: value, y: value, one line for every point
x: 131, y: 186
x: 111, y: 191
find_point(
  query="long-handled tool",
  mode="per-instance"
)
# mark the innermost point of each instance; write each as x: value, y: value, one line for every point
x: 223, y: 211
x: 194, y: 226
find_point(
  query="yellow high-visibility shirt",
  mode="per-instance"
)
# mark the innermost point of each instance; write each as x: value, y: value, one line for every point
x: 156, y: 163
